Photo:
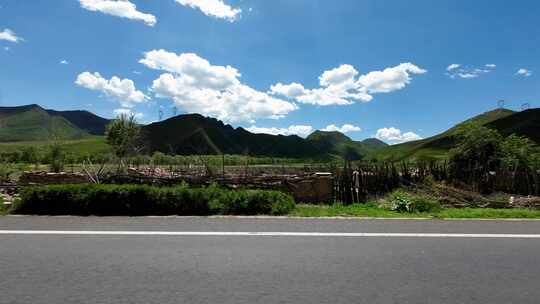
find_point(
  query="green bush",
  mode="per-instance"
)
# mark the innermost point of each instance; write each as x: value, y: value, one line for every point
x: 402, y: 201
x: 138, y: 200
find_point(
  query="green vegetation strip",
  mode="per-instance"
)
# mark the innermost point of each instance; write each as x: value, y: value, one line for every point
x: 140, y: 200
x: 373, y: 210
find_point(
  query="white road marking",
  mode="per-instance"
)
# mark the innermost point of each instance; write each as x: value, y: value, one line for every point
x: 271, y: 234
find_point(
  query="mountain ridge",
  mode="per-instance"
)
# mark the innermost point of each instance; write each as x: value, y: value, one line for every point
x: 204, y: 135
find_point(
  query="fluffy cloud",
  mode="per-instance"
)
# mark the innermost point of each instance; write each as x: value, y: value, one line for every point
x: 214, y: 8
x: 128, y: 112
x: 10, y: 36
x: 343, y: 86
x: 524, y: 72
x: 346, y: 128
x: 292, y: 90
x: 122, y: 90
x: 118, y: 8
x: 453, y: 66
x: 197, y: 86
x: 64, y: 62
x: 342, y: 74
x: 391, y: 79
x: 394, y: 135
x: 299, y: 130
x: 458, y: 71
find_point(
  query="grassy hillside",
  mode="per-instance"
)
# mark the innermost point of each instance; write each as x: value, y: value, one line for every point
x: 336, y: 143
x: 34, y: 124
x: 436, y: 147
x: 526, y: 123
x: 89, y: 146
x: 374, y: 143
x: 83, y: 120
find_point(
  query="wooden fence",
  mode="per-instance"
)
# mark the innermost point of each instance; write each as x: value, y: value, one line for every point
x: 354, y: 183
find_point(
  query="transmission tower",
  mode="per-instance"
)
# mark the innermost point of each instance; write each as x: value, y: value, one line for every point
x: 174, y: 111
x: 160, y: 114
x: 500, y: 104
x: 525, y: 106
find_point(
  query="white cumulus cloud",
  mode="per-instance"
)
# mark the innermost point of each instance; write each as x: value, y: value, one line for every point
x: 390, y: 79
x: 524, y: 72
x: 122, y: 90
x: 346, y: 128
x: 118, y: 8
x: 214, y: 8
x: 395, y: 136
x: 343, y: 86
x: 197, y: 86
x: 9, y: 35
x: 64, y: 62
x: 299, y: 130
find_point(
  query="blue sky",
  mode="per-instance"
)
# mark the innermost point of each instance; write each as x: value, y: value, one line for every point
x: 391, y: 66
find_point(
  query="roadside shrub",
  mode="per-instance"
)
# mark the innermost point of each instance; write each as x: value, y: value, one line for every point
x: 402, y: 201
x: 138, y: 200
x: 6, y: 170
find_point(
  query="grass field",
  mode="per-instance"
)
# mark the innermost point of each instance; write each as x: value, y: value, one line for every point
x: 92, y: 145
x: 372, y: 210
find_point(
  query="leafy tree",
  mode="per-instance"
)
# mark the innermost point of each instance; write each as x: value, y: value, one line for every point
x: 56, y: 153
x: 475, y: 155
x: 124, y: 135
x: 30, y: 155
x: 477, y: 147
x: 519, y: 152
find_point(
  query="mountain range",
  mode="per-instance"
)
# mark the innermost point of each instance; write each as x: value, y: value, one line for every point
x: 195, y: 134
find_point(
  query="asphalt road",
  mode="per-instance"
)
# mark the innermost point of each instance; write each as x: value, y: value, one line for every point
x: 94, y: 268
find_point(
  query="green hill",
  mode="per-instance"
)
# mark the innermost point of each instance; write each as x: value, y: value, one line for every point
x: 526, y: 123
x: 374, y: 143
x: 83, y: 120
x: 196, y: 134
x: 33, y: 123
x: 336, y: 143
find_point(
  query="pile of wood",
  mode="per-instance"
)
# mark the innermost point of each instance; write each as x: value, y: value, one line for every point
x: 452, y: 197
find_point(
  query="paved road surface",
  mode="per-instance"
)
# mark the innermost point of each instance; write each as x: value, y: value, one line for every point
x: 94, y: 268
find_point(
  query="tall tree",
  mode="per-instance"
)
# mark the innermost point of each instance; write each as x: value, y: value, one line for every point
x: 124, y: 135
